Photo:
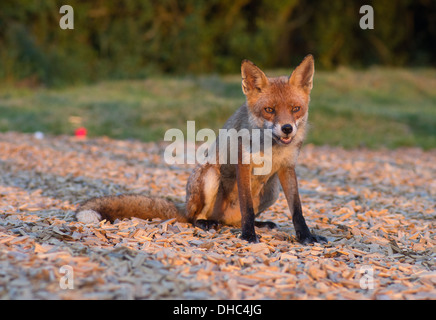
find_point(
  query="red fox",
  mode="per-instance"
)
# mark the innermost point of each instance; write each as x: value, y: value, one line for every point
x: 231, y: 194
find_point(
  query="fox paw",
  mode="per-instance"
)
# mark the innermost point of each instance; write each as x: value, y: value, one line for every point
x: 265, y: 224
x: 253, y: 238
x: 311, y: 238
x: 207, y: 224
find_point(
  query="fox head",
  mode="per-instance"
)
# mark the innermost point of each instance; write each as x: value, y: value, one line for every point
x: 280, y: 104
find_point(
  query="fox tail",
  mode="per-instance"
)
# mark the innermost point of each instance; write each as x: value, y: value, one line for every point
x: 128, y: 206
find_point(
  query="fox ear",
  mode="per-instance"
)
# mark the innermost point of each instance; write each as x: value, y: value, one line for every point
x: 303, y: 74
x: 253, y: 79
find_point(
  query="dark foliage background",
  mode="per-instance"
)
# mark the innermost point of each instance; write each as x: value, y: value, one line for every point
x: 131, y: 39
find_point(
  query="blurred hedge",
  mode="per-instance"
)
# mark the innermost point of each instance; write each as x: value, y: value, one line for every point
x: 130, y: 38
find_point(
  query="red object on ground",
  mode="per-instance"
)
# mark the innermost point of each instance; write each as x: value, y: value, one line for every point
x: 80, y: 132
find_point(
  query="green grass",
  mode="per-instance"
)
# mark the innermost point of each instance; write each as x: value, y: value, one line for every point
x: 374, y: 108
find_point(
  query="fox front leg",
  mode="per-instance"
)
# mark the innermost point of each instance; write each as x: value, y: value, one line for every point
x: 243, y: 177
x: 288, y: 180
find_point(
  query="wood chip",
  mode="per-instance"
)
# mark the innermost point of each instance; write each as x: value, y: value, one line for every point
x: 377, y: 209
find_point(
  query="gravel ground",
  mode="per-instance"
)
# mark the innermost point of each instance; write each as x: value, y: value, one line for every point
x: 376, y: 208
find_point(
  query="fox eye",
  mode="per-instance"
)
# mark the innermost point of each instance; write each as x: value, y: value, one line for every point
x: 296, y: 109
x: 269, y: 110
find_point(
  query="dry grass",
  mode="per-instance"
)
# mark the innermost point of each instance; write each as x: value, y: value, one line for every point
x: 376, y: 208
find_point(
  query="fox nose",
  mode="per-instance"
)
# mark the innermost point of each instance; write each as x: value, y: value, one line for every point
x: 287, y: 128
